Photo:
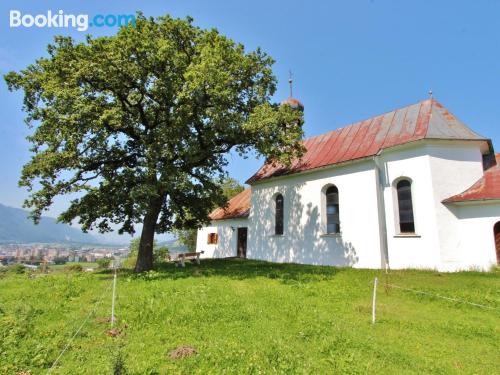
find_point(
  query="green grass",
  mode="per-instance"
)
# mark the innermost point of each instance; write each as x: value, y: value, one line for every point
x: 249, y: 317
x: 83, y: 264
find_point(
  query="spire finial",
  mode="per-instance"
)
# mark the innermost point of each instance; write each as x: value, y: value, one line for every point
x: 430, y: 94
x: 290, y: 81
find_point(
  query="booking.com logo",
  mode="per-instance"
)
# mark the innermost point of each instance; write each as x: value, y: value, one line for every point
x: 78, y: 21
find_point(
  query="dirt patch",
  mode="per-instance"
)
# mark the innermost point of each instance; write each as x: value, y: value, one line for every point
x: 182, y: 352
x: 104, y: 319
x: 113, y: 332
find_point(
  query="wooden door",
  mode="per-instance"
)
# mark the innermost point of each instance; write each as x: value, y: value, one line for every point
x: 496, y: 230
x: 242, y: 243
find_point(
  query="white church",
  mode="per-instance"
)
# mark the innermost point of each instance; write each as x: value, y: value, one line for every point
x: 411, y: 188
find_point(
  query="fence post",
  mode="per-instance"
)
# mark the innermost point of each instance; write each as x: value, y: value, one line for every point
x: 375, y: 282
x: 113, y: 301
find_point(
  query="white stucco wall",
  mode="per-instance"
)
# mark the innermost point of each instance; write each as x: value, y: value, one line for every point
x: 447, y: 238
x: 226, y: 245
x: 304, y: 239
x: 411, y: 251
x: 454, y: 168
x: 438, y: 170
x: 475, y: 244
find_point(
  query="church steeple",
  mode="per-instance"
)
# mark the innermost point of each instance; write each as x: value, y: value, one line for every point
x: 291, y: 101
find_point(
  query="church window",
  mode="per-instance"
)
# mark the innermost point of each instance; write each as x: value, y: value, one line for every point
x: 332, y: 210
x: 278, y: 225
x: 405, y: 207
x: 213, y: 238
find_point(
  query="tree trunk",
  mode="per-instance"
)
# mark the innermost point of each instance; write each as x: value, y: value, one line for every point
x: 145, y: 255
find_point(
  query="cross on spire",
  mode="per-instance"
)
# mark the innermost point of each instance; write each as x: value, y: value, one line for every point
x: 290, y: 81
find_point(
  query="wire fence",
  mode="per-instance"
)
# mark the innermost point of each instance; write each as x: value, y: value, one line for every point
x: 450, y: 299
x: 91, y: 312
x: 425, y: 293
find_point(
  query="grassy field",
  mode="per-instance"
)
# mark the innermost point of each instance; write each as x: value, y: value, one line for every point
x: 65, y: 265
x: 249, y: 317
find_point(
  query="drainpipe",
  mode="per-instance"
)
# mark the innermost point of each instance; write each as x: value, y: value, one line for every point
x: 379, y: 181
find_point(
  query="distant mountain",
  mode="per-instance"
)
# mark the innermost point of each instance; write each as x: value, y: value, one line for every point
x: 16, y: 227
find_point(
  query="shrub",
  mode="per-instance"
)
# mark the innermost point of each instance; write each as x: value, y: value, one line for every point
x: 103, y: 262
x: 74, y: 267
x: 60, y: 260
x: 160, y: 253
x: 17, y: 268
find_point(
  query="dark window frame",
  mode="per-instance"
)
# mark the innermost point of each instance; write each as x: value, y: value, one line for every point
x: 212, y: 239
x: 332, y: 210
x: 279, y: 215
x: 406, y: 215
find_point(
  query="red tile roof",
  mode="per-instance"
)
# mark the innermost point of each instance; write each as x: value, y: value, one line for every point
x: 424, y: 120
x: 237, y: 207
x: 486, y: 188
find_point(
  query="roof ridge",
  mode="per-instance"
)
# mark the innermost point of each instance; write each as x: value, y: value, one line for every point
x: 427, y: 119
x: 432, y: 100
x: 367, y: 118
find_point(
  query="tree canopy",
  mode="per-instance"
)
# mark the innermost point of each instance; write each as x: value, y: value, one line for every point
x: 140, y: 124
x: 187, y: 236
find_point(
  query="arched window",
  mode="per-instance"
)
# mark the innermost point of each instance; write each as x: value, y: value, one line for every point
x: 405, y: 206
x: 332, y: 210
x: 278, y: 224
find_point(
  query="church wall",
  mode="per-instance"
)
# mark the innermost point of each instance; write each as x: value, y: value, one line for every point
x: 447, y: 238
x: 437, y: 170
x: 454, y: 168
x: 420, y: 250
x: 477, y: 241
x: 226, y: 245
x: 304, y: 239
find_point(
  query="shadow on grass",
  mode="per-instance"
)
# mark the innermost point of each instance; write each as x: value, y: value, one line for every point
x: 239, y: 269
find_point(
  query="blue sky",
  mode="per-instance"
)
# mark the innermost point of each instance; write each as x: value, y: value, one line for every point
x: 351, y: 59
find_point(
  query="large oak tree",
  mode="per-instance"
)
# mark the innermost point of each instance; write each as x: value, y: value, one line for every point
x: 138, y: 125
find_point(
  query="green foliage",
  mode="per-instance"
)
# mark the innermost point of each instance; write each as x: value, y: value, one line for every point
x: 60, y: 260
x: 74, y: 267
x: 103, y: 263
x: 140, y: 124
x: 231, y: 187
x: 17, y: 268
x: 250, y: 317
x: 159, y: 253
x: 132, y: 255
x: 187, y: 236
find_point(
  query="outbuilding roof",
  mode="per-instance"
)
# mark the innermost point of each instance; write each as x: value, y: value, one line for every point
x: 486, y: 188
x: 424, y: 120
x: 237, y: 207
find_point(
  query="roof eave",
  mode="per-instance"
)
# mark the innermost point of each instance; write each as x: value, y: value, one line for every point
x: 232, y: 217
x: 465, y: 201
x: 251, y: 181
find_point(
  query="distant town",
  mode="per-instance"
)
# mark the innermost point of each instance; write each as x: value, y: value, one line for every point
x: 35, y: 254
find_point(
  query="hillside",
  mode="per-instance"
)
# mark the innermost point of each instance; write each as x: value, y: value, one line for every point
x: 250, y: 317
x: 16, y: 227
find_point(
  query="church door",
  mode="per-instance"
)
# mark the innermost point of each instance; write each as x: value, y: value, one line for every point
x: 496, y: 230
x: 242, y: 243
